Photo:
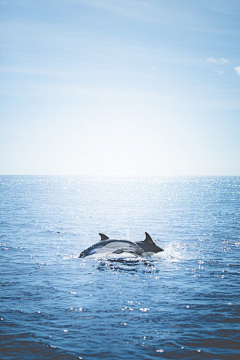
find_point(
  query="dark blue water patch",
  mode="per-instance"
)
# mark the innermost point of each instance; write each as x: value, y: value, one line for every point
x: 26, y: 349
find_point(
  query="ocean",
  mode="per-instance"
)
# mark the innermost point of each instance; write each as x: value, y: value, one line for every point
x: 182, y: 303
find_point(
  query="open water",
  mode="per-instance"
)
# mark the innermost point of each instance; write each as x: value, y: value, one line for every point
x: 179, y: 304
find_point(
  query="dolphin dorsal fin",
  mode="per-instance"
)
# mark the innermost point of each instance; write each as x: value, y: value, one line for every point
x: 148, y: 238
x: 103, y: 237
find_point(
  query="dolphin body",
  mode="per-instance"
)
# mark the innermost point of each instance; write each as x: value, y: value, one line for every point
x: 141, y: 248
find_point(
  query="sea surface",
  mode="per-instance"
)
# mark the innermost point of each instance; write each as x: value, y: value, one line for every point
x: 182, y: 303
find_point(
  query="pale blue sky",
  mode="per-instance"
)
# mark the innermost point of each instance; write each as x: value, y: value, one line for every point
x: 120, y: 87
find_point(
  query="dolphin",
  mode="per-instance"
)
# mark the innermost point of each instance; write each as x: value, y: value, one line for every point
x: 141, y: 248
x: 148, y: 245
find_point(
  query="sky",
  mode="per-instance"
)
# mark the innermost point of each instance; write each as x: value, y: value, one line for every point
x: 120, y: 87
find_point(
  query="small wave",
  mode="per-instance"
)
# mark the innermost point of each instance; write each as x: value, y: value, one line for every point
x: 171, y: 253
x: 176, y: 252
x: 69, y: 257
x: 123, y: 264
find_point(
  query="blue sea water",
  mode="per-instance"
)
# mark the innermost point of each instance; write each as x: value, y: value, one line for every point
x: 179, y: 304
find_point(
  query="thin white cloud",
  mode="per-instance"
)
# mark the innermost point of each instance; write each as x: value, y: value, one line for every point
x: 142, y: 10
x: 237, y: 69
x: 221, y: 61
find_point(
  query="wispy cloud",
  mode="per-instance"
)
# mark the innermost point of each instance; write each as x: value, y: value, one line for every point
x: 221, y: 61
x: 142, y: 10
x: 224, y: 7
x: 237, y: 69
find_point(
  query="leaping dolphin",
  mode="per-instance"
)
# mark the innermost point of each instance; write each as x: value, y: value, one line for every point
x: 148, y: 245
x: 142, y: 248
